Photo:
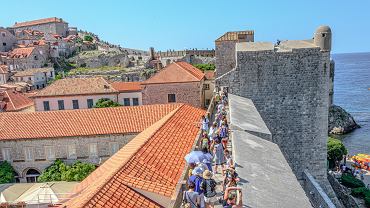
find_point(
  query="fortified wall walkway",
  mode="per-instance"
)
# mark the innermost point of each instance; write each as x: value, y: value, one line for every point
x: 265, y: 176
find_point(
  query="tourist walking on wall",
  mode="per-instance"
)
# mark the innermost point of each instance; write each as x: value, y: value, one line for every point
x: 209, y: 188
x: 205, y: 123
x: 197, y: 179
x: 191, y: 198
x: 218, y: 153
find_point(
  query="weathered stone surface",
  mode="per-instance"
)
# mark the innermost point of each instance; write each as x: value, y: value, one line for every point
x: 94, y: 59
x: 340, y: 121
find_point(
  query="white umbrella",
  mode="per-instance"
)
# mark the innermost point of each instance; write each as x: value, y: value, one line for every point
x: 197, y: 156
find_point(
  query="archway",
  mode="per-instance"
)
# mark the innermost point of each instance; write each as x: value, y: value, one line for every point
x: 32, y: 175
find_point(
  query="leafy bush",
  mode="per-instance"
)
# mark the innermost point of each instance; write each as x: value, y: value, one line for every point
x: 105, y: 103
x: 6, y: 172
x: 367, y: 201
x: 360, y: 192
x: 59, y: 171
x: 88, y: 38
x: 351, y: 182
x: 205, y: 67
x: 336, y: 150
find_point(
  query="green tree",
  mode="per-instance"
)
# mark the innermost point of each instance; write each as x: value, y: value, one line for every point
x: 106, y: 103
x: 6, y: 172
x: 205, y: 67
x: 88, y: 38
x: 147, y: 73
x: 336, y: 150
x: 59, y: 171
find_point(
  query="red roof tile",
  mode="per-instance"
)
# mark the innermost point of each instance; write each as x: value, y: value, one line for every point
x: 4, y: 69
x: 175, y: 73
x: 127, y: 86
x: 153, y: 162
x: 21, y: 52
x: 84, y: 122
x: 16, y: 101
x: 37, y: 22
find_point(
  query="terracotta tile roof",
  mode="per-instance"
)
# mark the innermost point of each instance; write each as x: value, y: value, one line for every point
x: 176, y: 72
x: 233, y: 36
x: 210, y: 74
x: 21, y: 52
x: 77, y: 86
x: 38, y: 22
x: 152, y: 162
x: 127, y: 86
x: 85, y: 122
x: 15, y: 101
x: 30, y: 72
x: 4, y: 69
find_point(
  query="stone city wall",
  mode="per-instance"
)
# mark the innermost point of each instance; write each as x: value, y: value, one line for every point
x: 290, y: 90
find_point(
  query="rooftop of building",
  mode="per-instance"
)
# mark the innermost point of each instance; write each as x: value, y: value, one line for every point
x: 84, y: 122
x: 177, y: 72
x: 4, y: 69
x: 127, y: 86
x: 268, y: 179
x: 145, y: 172
x: 22, y: 52
x: 77, y: 86
x: 14, y: 101
x: 30, y: 72
x: 38, y: 22
x: 234, y: 36
x: 283, y: 46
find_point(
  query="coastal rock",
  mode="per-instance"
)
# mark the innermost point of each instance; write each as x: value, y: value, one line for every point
x: 340, y: 121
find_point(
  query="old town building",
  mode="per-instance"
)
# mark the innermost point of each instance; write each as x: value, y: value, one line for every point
x: 38, y: 77
x: 11, y: 101
x: 52, y: 25
x: 178, y: 82
x: 25, y: 58
x: 7, y: 40
x: 31, y: 141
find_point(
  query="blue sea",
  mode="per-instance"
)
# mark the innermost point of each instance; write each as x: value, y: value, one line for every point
x: 352, y: 92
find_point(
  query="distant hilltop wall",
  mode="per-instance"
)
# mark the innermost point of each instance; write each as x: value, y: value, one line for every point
x: 194, y: 52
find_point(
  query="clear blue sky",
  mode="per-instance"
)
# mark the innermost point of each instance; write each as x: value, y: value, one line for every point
x: 175, y: 24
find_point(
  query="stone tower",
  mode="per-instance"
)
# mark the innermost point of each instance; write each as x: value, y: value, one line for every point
x: 322, y: 38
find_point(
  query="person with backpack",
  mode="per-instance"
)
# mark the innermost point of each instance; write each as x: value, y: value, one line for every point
x: 191, y: 198
x: 197, y: 179
x: 208, y: 186
x: 205, y: 143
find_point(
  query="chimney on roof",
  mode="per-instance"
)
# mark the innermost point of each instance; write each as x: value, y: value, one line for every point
x: 106, y: 87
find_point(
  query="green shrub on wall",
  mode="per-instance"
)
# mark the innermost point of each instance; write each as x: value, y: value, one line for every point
x: 351, y: 182
x: 6, y: 172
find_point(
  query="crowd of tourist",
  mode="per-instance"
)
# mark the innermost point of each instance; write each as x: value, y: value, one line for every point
x: 201, y: 185
x: 357, y: 169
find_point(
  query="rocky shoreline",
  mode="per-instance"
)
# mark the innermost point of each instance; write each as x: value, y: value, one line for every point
x: 340, y: 121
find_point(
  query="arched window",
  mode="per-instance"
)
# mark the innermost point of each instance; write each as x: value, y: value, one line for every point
x: 32, y: 175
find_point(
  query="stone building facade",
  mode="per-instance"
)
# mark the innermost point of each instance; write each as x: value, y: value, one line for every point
x: 225, y: 49
x: 289, y: 84
x: 37, y: 77
x: 52, y: 25
x: 32, y: 141
x: 38, y: 154
x: 189, y: 93
x: 7, y: 40
x: 25, y: 58
x: 179, y: 82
